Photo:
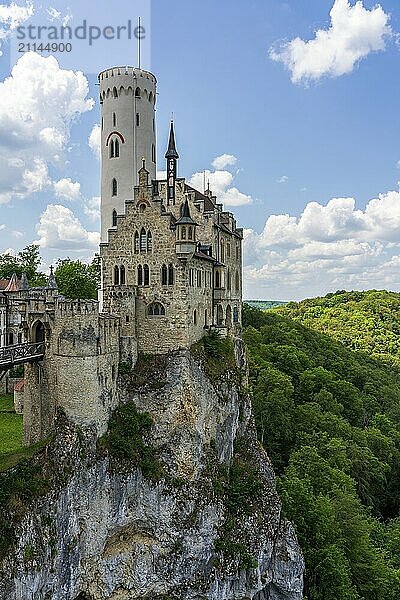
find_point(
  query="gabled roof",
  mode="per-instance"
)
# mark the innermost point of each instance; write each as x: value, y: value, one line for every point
x: 13, y: 284
x: 19, y: 386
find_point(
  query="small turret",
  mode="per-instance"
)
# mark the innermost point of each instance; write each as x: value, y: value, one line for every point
x: 51, y: 282
x: 143, y: 175
x: 24, y: 284
x: 171, y: 157
x: 185, y: 229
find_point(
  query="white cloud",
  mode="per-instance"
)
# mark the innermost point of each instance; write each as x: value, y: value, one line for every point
x: 94, y: 140
x: 91, y: 208
x: 11, y: 17
x: 221, y: 184
x: 283, y: 179
x: 56, y: 15
x: 38, y: 104
x: 328, y: 247
x: 67, y: 189
x: 353, y: 34
x: 59, y: 228
x: 223, y: 161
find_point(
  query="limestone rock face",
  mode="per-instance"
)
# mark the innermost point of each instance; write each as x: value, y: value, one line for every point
x: 111, y: 534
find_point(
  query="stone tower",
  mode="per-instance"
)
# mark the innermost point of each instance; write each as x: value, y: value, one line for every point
x: 127, y: 98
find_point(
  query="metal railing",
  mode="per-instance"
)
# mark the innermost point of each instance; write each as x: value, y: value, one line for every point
x: 19, y: 354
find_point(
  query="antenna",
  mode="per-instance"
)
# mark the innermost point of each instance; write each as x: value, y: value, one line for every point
x: 139, y: 41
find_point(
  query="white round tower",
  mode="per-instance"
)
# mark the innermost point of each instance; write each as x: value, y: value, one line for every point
x: 128, y: 134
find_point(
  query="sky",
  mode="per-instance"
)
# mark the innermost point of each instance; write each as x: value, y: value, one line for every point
x: 290, y: 106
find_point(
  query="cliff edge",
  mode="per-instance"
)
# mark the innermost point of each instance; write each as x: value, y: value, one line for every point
x: 177, y: 500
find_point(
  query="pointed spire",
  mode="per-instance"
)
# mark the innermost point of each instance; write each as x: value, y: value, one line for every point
x: 24, y: 284
x: 51, y: 282
x: 171, y: 152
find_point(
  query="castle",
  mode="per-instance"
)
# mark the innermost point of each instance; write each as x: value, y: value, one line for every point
x: 171, y: 268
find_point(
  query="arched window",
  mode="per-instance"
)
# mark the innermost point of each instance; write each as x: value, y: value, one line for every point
x: 114, y: 187
x: 114, y: 218
x: 115, y: 93
x: 217, y: 279
x: 146, y: 271
x: 137, y: 93
x: 156, y: 309
x: 112, y: 149
x: 235, y: 314
x: 114, y: 119
x: 140, y: 275
x: 222, y: 251
x: 237, y: 281
x: 190, y: 235
x: 164, y: 275
x: 10, y: 339
x: 184, y: 233
x: 143, y: 240
x: 149, y: 242
x: 220, y: 315
x: 122, y: 275
x: 195, y: 317
x: 170, y: 275
x: 229, y: 285
x: 116, y: 275
x: 116, y: 147
x: 136, y: 246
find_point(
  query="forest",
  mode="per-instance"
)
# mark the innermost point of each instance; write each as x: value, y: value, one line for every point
x: 328, y: 414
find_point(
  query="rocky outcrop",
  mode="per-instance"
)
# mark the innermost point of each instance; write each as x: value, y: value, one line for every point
x: 209, y: 528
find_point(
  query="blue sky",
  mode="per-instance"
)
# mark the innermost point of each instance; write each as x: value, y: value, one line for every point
x: 314, y: 133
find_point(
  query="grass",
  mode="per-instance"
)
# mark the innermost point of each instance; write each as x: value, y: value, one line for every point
x: 6, y: 403
x: 11, y: 428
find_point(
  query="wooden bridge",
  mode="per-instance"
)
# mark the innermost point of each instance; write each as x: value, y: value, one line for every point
x: 12, y: 356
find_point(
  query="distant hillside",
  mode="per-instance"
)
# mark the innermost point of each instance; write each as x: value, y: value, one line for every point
x: 329, y: 419
x: 366, y: 321
x: 264, y: 304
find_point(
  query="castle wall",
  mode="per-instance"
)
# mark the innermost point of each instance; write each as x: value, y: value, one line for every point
x: 79, y: 373
x: 85, y: 355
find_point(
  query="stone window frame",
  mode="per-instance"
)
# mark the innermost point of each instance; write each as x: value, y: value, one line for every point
x: 153, y: 307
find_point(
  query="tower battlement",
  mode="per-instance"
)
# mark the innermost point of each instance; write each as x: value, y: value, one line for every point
x: 130, y: 71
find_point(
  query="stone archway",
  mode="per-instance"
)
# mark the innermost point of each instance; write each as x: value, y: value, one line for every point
x: 38, y: 332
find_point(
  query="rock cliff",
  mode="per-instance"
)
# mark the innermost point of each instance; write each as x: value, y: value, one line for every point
x: 191, y: 514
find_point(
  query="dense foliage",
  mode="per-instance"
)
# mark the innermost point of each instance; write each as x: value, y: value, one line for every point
x: 125, y: 442
x: 75, y: 279
x: 329, y: 418
x: 367, y: 321
x: 27, y: 261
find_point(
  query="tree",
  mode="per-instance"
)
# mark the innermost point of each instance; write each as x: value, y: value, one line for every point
x: 27, y: 261
x: 77, y: 280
